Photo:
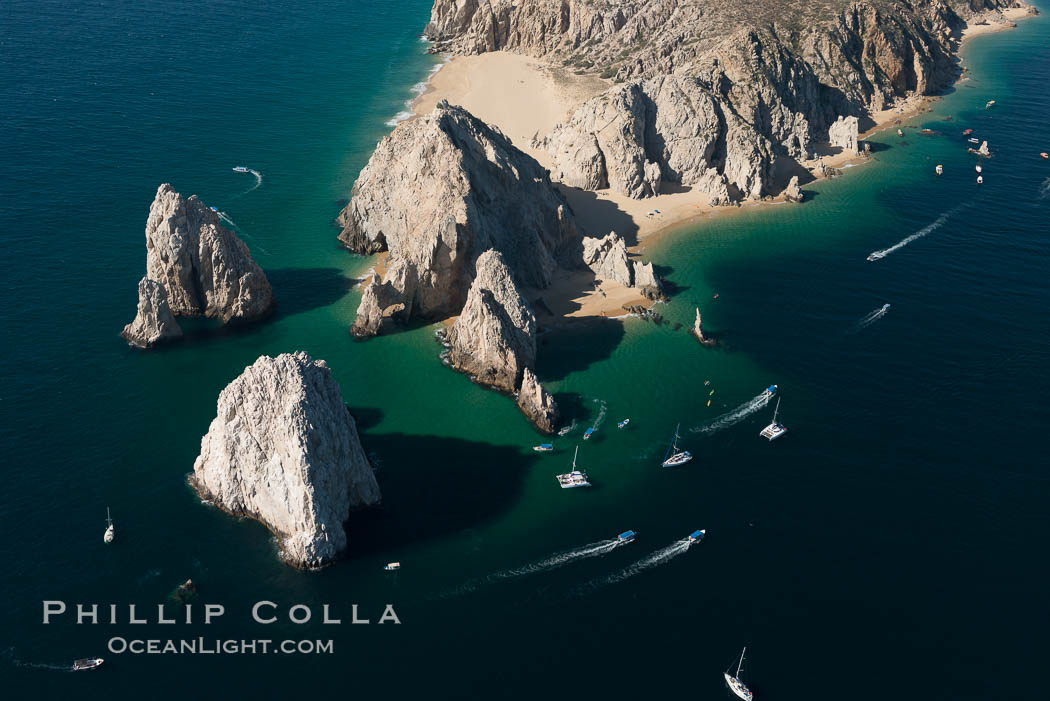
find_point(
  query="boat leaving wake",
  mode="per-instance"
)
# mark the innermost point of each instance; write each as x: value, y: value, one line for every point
x: 601, y: 413
x: 938, y: 223
x: 258, y: 179
x: 563, y: 558
x: 735, y: 416
x: 871, y: 318
x: 646, y: 563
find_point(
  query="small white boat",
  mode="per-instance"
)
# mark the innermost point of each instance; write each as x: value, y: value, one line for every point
x: 885, y: 308
x: 980, y: 179
x: 874, y: 257
x: 242, y: 169
x: 110, y: 533
x: 623, y: 424
x: 900, y: 133
x: 978, y: 167
x: 989, y: 104
x: 543, y: 447
x: 576, y: 478
x: 87, y: 663
x: 391, y: 566
x: 626, y: 536
x: 973, y: 140
x: 565, y: 431
x: 775, y: 430
x: 939, y: 169
x: 697, y: 535
x: 736, y: 685
x: 674, y: 456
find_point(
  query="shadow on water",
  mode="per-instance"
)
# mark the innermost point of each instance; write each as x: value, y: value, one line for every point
x: 568, y: 349
x: 477, y: 482
x: 366, y: 417
x: 298, y: 290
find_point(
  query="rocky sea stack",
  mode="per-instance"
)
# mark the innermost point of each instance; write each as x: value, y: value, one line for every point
x: 284, y: 450
x: 200, y: 267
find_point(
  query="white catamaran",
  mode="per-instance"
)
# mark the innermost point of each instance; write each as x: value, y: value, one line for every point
x: 110, y: 533
x: 576, y: 478
x: 735, y: 684
x: 674, y: 456
x: 774, y: 430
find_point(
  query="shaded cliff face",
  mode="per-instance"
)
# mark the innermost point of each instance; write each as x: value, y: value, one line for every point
x: 284, y: 450
x: 437, y: 193
x: 714, y: 92
x: 153, y: 323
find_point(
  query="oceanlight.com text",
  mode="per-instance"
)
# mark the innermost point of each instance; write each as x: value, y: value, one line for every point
x: 214, y: 646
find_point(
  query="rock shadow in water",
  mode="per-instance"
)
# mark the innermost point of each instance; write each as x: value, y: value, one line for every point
x: 568, y: 349
x: 298, y: 290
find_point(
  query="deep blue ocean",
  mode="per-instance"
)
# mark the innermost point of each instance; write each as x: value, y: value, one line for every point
x: 891, y: 545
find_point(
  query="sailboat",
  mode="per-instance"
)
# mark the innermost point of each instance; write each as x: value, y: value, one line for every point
x: 775, y: 430
x: 110, y: 533
x: 576, y: 478
x: 737, y: 686
x: 674, y: 456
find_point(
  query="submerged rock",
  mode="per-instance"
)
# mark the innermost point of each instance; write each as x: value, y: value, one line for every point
x: 537, y: 403
x: 284, y: 450
x: 204, y: 268
x: 154, y: 322
x: 494, y: 337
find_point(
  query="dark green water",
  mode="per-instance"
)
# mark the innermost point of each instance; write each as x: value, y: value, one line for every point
x: 891, y: 545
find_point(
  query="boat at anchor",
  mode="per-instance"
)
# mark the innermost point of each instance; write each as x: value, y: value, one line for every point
x: 110, y: 533
x: 576, y: 478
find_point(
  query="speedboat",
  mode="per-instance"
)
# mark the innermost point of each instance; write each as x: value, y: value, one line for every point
x: 980, y: 179
x: 939, y: 169
x: 623, y: 424
x: 735, y: 683
x: 885, y: 308
x: 772, y: 389
x: 674, y: 456
x: 110, y: 533
x: 973, y: 140
x: 900, y: 133
x: 543, y: 447
x: 242, y: 169
x: 1045, y: 155
x: 588, y: 433
x: 697, y: 535
x: 775, y: 430
x: 391, y: 566
x: 989, y: 104
x: 86, y: 663
x: 967, y: 132
x: 978, y: 167
x: 576, y: 478
x: 626, y: 536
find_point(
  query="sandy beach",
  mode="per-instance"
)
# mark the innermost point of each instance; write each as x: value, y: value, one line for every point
x: 526, y: 98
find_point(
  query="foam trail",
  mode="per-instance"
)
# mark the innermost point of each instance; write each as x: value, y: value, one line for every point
x: 870, y: 319
x: 258, y: 182
x: 938, y: 223
x: 555, y: 561
x: 601, y: 413
x: 226, y: 218
x: 1044, y: 189
x: 648, y: 562
x: 10, y: 654
x: 735, y: 416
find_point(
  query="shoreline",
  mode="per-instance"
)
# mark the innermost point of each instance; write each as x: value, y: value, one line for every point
x: 525, y: 97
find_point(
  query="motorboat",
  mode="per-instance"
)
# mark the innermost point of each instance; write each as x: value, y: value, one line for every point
x: 674, y: 456
x: 576, y: 478
x: 775, y: 429
x: 697, y: 535
x: 772, y: 389
x: 1045, y: 155
x: 939, y: 169
x: 900, y: 133
x: 110, y: 533
x: 989, y: 104
x: 242, y: 169
x: 543, y: 447
x: 978, y: 167
x: 391, y: 566
x: 967, y: 132
x: 973, y: 140
x: 735, y: 684
x: 626, y: 536
x: 980, y: 179
x: 623, y: 424
x: 588, y: 433
x: 885, y: 308
x: 565, y: 430
x: 87, y: 663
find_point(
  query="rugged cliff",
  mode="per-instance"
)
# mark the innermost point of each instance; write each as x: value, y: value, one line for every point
x: 713, y: 92
x: 154, y: 322
x: 437, y: 193
x: 284, y: 450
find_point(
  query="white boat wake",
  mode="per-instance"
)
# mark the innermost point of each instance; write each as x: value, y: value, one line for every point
x: 1044, y: 189
x: 735, y: 416
x: 10, y: 654
x: 938, y: 223
x: 563, y: 558
x: 646, y: 563
x: 871, y: 318
x: 258, y: 180
x: 601, y: 413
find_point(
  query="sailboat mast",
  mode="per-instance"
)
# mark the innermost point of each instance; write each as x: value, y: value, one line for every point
x: 676, y: 428
x: 741, y: 663
x: 775, y: 410
x: 574, y: 457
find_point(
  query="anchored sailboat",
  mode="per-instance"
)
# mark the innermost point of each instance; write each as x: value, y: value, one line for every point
x: 775, y: 430
x: 674, y: 456
x: 734, y: 682
x: 576, y: 478
x: 110, y: 533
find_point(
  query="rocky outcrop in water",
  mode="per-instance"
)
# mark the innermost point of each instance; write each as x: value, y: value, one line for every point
x: 154, y: 323
x: 284, y: 450
x: 438, y: 192
x: 714, y: 92
x: 698, y: 331
x: 204, y: 268
x: 494, y: 337
x: 537, y: 403
x: 646, y: 280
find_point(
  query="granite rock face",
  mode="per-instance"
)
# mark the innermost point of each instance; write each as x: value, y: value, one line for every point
x: 607, y: 258
x: 438, y: 192
x: 712, y: 93
x: 494, y: 337
x: 844, y: 134
x: 284, y: 450
x: 698, y: 331
x: 537, y: 403
x: 793, y: 193
x: 204, y: 268
x: 154, y: 323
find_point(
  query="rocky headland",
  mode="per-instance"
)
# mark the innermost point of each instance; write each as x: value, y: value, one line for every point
x: 194, y: 267
x: 284, y: 450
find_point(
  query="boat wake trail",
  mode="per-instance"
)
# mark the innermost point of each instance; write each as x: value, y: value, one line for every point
x: 601, y: 413
x: 1044, y: 189
x: 870, y: 319
x: 9, y: 654
x: 258, y: 180
x: 646, y: 563
x: 557, y: 560
x: 735, y: 416
x: 937, y: 224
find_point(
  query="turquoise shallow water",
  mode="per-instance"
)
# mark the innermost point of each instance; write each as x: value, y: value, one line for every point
x: 889, y: 545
